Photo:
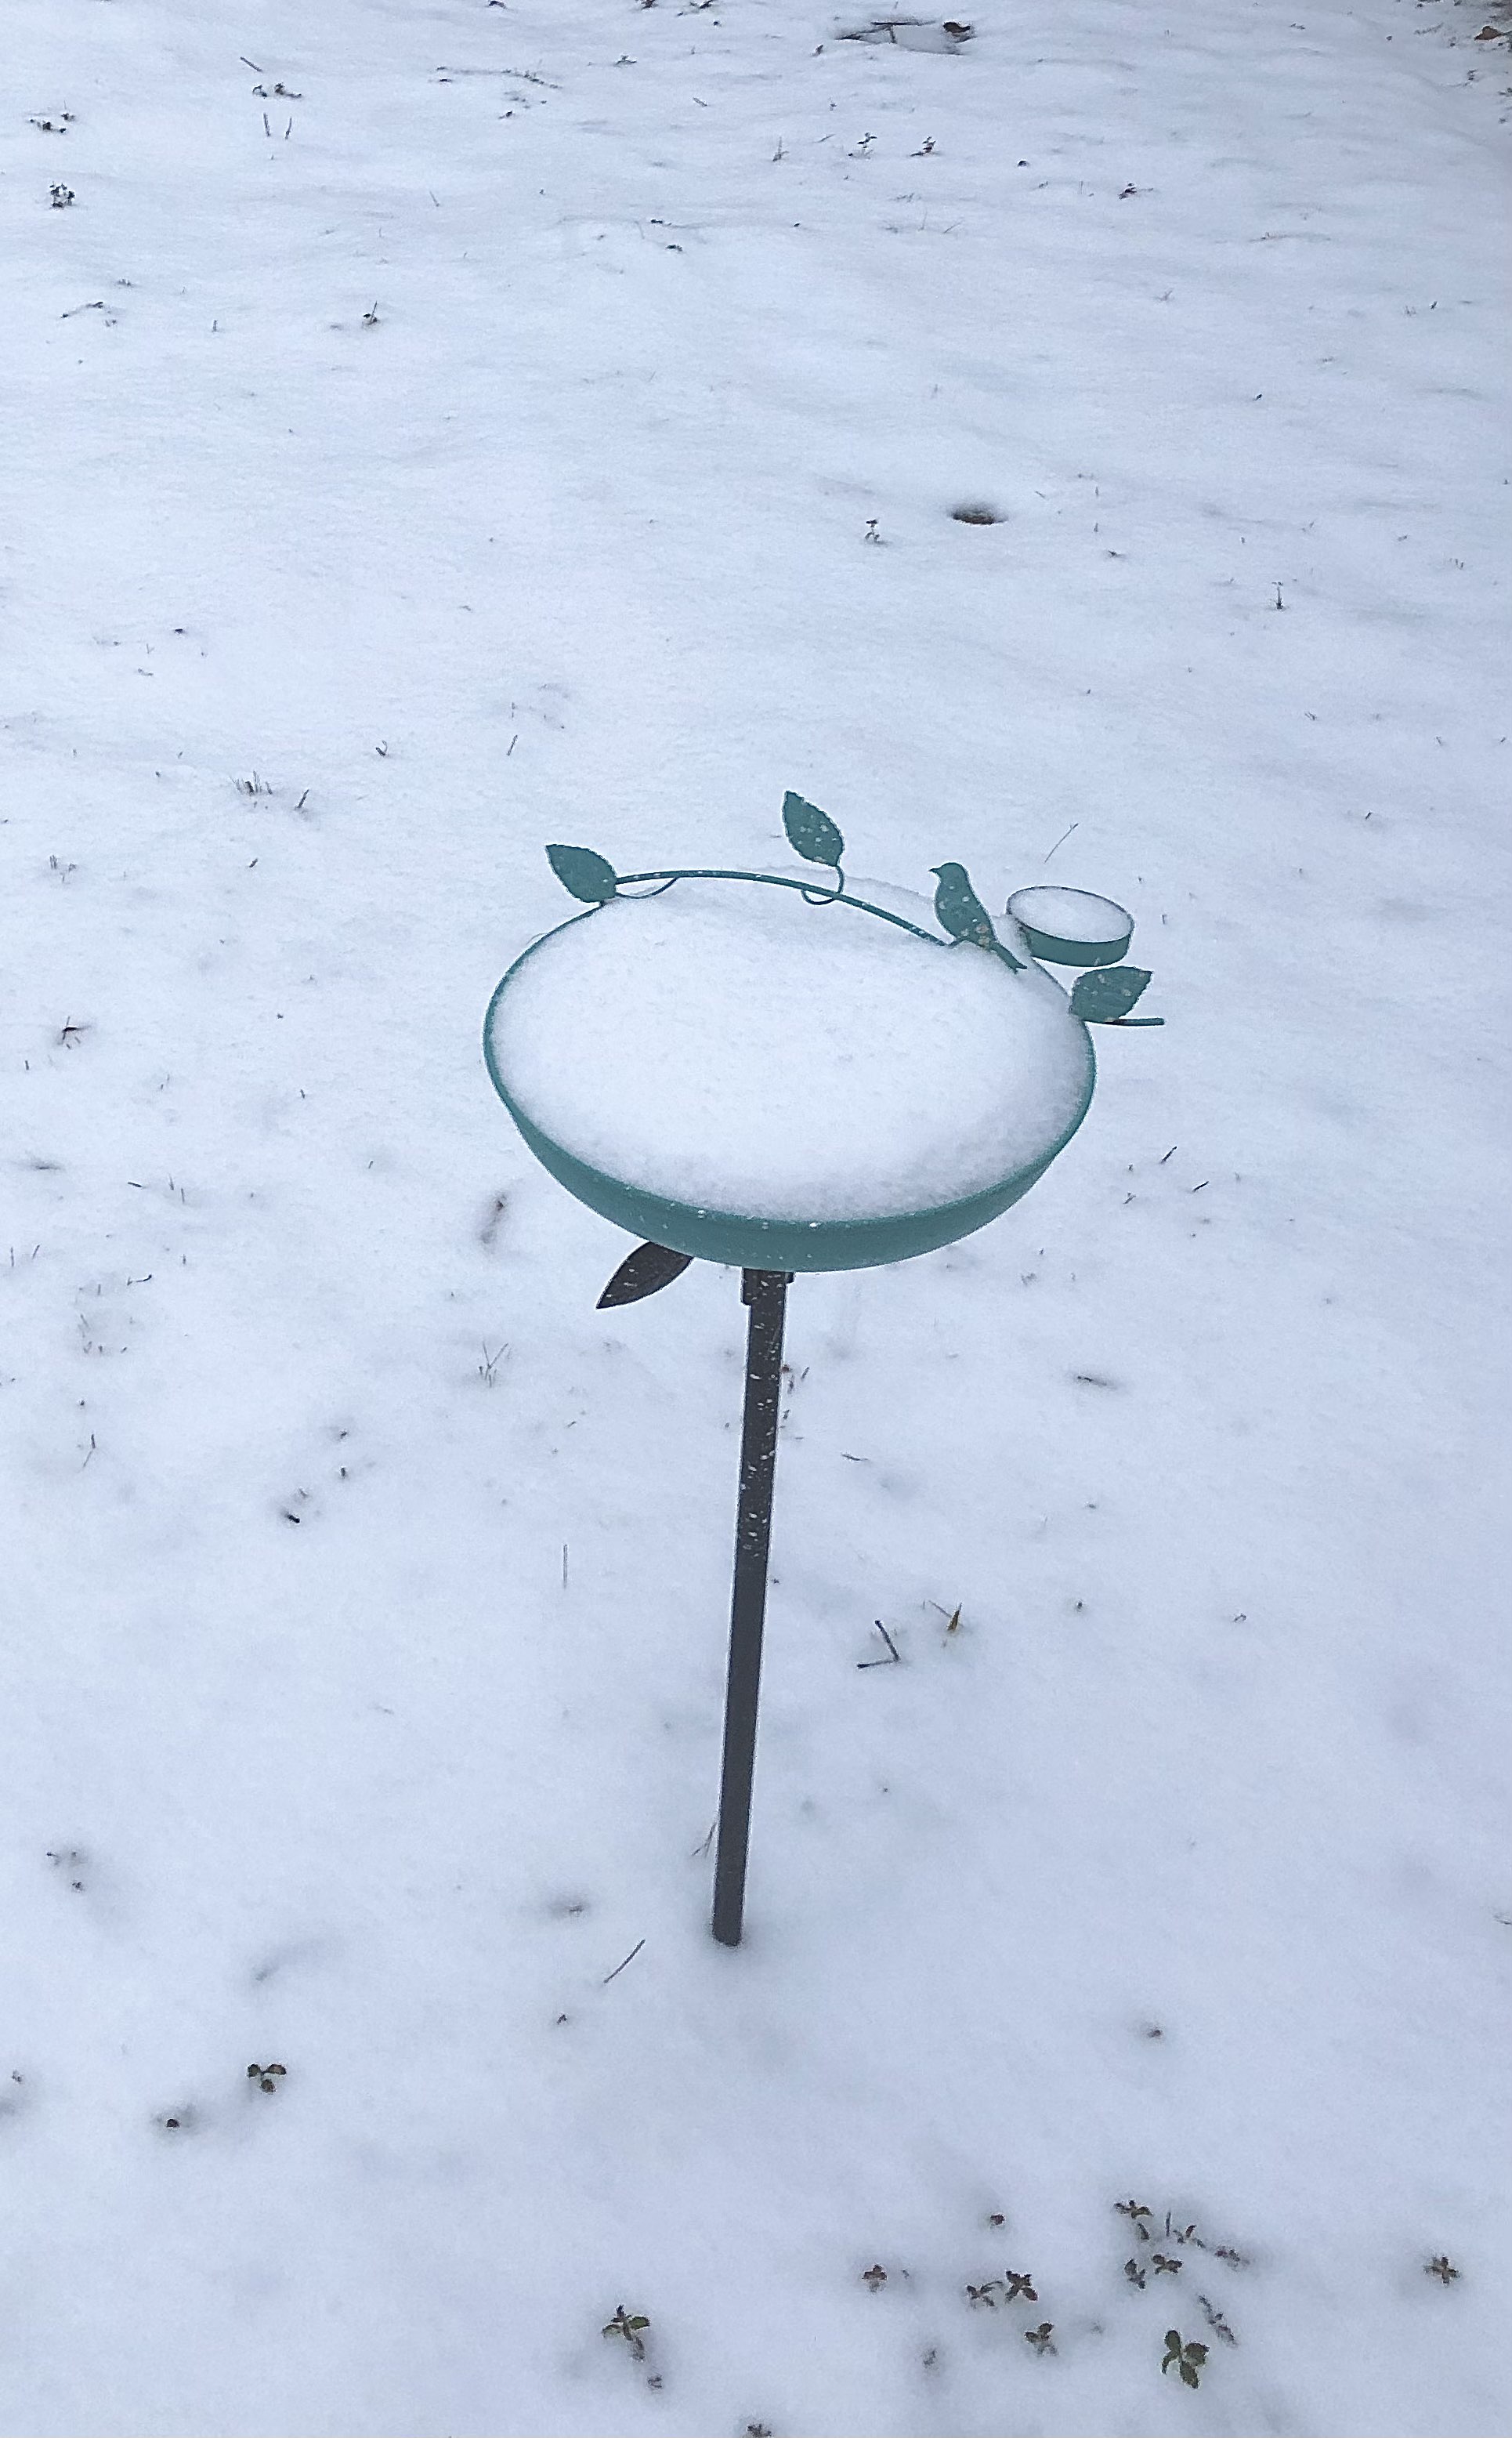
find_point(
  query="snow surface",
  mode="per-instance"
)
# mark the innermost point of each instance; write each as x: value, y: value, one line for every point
x: 1070, y: 914
x: 735, y: 1047
x: 483, y: 452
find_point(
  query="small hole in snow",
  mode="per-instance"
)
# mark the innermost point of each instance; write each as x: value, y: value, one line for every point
x: 976, y: 512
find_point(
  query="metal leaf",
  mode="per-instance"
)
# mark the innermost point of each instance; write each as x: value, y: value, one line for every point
x: 648, y: 1270
x: 583, y: 874
x: 811, y: 833
x: 1106, y: 994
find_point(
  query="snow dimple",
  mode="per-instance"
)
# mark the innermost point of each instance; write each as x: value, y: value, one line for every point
x: 738, y: 1048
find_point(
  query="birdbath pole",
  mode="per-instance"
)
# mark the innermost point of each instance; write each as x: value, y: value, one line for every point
x: 613, y: 1038
x: 765, y: 1292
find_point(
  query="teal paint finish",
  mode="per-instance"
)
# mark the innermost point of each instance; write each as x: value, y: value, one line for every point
x: 811, y: 833
x: 960, y: 911
x: 1106, y: 998
x: 583, y: 874
x: 1051, y: 951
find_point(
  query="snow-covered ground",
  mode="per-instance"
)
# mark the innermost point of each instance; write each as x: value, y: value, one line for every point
x: 435, y: 429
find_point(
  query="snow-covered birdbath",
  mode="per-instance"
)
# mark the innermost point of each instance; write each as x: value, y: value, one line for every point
x: 788, y: 1074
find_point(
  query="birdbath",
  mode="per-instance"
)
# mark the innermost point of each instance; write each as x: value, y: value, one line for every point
x: 786, y: 1072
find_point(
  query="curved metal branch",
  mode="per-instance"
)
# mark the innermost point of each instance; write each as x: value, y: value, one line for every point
x: 806, y: 888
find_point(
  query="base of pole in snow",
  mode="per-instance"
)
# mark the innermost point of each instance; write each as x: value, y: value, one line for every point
x: 765, y: 1293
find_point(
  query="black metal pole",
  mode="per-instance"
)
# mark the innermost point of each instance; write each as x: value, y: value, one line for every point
x: 765, y: 1293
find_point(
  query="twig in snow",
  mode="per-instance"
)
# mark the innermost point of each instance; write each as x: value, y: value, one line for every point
x: 894, y: 1658
x: 620, y: 1967
x: 526, y: 76
x: 1217, y: 2322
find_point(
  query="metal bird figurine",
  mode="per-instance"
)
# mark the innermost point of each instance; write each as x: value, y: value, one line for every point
x: 960, y: 911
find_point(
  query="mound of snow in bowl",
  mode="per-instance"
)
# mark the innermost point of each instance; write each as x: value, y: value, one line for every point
x: 732, y: 1047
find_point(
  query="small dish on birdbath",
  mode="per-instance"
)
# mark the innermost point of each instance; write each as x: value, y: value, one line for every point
x: 1070, y: 926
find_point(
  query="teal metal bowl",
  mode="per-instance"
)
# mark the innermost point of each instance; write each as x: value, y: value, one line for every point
x: 752, y: 1243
